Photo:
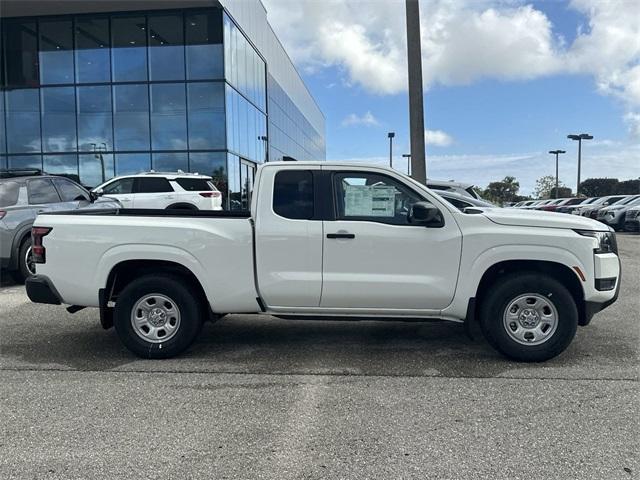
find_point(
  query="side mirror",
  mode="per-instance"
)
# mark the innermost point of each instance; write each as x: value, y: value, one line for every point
x: 98, y: 192
x: 424, y: 213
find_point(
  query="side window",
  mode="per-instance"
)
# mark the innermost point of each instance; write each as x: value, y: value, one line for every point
x: 118, y: 187
x: 9, y: 192
x: 69, y: 191
x: 41, y: 191
x: 372, y: 197
x: 152, y: 185
x: 293, y: 194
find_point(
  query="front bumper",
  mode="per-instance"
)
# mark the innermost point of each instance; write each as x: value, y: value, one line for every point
x: 603, y: 267
x: 41, y: 290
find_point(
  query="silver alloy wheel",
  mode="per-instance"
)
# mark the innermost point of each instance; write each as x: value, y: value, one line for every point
x: 155, y: 318
x: 28, y: 261
x: 530, y: 319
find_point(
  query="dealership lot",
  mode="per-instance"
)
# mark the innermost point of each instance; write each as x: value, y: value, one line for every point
x: 268, y: 398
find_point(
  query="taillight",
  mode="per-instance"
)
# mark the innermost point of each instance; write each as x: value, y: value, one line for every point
x: 2, y: 214
x: 210, y: 194
x: 38, y: 252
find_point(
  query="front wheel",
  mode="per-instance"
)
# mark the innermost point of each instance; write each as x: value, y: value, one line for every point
x: 529, y: 317
x: 157, y: 316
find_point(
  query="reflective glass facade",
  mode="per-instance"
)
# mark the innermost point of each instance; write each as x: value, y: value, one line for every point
x: 112, y: 93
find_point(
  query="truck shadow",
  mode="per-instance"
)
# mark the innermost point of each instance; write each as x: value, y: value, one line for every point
x: 258, y: 345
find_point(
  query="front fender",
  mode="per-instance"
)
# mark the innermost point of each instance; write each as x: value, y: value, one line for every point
x: 472, y: 270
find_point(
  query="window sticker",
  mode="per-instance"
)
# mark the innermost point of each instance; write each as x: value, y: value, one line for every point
x: 369, y: 200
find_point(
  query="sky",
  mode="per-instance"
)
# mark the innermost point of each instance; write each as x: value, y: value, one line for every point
x: 505, y: 82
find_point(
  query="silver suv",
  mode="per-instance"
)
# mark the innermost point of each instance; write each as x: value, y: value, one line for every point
x: 24, y: 194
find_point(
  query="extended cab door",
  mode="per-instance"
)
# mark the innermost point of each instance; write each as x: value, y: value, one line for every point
x: 288, y: 237
x: 374, y: 258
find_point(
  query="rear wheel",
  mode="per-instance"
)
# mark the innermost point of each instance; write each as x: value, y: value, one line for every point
x: 26, y: 267
x: 529, y: 317
x: 156, y: 316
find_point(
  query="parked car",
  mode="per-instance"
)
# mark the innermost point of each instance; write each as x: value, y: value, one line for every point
x: 591, y: 210
x: 334, y: 241
x: 551, y: 205
x: 179, y: 190
x: 632, y: 219
x: 461, y: 188
x: 579, y: 202
x: 524, y: 203
x: 23, y: 195
x: 563, y: 202
x: 464, y: 201
x: 614, y: 215
x: 535, y: 205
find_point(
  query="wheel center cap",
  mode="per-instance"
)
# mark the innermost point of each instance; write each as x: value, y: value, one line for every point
x: 157, y: 317
x: 529, y: 318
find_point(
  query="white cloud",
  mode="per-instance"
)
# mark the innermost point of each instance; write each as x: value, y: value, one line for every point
x: 463, y: 41
x: 437, y: 138
x: 367, y: 119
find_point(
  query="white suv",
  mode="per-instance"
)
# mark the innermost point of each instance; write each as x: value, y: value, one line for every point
x: 180, y: 190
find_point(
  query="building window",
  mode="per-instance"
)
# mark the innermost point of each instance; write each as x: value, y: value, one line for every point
x: 95, y: 131
x: 215, y: 165
x: 233, y: 175
x: 56, y: 51
x: 23, y: 121
x: 206, y: 115
x: 131, y: 163
x: 166, y: 47
x: 92, y: 50
x: 95, y: 168
x: 129, y: 53
x: 170, y: 162
x: 25, y: 161
x: 131, y: 117
x: 58, y: 106
x: 21, y: 54
x: 62, y: 165
x: 204, y: 45
x: 168, y: 117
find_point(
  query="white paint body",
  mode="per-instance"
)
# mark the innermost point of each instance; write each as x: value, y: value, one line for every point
x: 386, y: 271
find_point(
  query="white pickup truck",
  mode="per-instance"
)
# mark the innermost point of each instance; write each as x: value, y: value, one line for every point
x: 330, y: 240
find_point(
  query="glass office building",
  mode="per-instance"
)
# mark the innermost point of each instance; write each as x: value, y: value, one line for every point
x: 98, y: 93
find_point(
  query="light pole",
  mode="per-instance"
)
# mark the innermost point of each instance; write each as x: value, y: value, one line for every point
x: 556, y: 153
x: 579, y: 138
x: 408, y: 157
x: 391, y: 135
x: 416, y: 106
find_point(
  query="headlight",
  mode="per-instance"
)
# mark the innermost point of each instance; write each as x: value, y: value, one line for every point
x: 606, y: 240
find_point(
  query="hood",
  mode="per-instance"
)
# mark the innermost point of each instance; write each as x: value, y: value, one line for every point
x: 536, y: 218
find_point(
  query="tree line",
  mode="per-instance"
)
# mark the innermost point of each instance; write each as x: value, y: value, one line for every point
x: 507, y: 189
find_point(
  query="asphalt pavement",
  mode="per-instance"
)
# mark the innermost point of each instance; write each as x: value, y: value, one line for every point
x: 259, y: 397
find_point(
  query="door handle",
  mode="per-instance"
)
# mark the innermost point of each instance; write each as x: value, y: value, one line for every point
x: 341, y: 235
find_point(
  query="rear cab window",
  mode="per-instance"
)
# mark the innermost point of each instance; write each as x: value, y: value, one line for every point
x: 41, y: 191
x: 9, y: 194
x: 195, y: 184
x: 293, y: 194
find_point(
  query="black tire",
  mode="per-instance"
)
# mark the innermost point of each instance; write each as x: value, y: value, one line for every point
x: 509, y: 288
x: 188, y: 305
x: 23, y: 270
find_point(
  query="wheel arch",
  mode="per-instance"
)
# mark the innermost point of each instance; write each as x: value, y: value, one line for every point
x: 124, y: 272
x: 19, y: 238
x: 556, y: 270
x: 181, y: 206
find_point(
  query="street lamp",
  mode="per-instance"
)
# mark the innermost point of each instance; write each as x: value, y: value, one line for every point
x: 408, y: 157
x: 391, y: 135
x: 579, y: 138
x: 556, y: 153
